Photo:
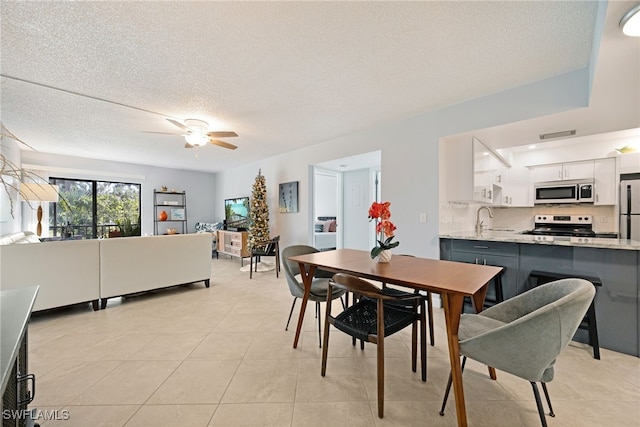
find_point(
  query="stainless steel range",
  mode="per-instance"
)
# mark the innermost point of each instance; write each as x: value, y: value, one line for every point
x: 563, y: 225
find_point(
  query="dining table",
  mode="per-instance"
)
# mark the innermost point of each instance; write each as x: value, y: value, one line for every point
x: 452, y: 280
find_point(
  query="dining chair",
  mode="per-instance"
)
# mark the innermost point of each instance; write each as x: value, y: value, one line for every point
x: 319, y: 285
x: 428, y: 298
x: 270, y: 248
x: 373, y: 317
x: 525, y: 334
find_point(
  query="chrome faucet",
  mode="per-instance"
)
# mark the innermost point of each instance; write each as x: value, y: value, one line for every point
x: 479, y: 224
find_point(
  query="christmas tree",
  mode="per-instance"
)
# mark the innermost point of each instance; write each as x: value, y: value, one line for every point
x: 259, y: 212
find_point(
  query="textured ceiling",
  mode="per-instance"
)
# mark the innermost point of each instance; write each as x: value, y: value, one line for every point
x: 283, y: 75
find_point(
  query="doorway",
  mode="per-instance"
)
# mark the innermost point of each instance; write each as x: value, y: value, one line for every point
x: 344, y: 188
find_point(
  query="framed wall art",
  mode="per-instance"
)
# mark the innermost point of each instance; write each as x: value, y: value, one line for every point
x: 177, y: 214
x: 288, y: 197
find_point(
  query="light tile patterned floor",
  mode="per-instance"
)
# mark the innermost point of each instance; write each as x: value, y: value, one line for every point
x: 190, y: 356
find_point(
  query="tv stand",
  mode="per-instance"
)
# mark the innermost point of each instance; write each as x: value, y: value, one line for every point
x: 233, y: 243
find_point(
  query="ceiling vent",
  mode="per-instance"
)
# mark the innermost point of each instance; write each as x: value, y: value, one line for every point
x: 552, y: 135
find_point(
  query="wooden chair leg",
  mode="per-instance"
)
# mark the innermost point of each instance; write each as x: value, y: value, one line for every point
x: 380, y: 360
x: 430, y: 318
x: 325, y: 347
x: 319, y: 328
x: 423, y: 343
x: 414, y: 345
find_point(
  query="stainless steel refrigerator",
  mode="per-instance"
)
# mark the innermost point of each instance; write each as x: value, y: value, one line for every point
x: 630, y: 209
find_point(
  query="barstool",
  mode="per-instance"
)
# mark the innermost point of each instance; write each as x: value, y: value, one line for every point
x: 589, y: 321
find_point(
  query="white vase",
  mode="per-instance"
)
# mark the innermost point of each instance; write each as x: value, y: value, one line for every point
x: 385, y: 256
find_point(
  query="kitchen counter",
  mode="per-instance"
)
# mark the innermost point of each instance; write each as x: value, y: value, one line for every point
x: 516, y: 237
x: 615, y: 262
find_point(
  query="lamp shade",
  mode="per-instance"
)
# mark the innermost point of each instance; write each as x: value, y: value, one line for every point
x: 35, y: 192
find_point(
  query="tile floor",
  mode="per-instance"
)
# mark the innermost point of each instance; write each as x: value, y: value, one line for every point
x: 190, y: 356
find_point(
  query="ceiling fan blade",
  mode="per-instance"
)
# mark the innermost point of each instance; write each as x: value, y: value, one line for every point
x: 180, y: 125
x: 222, y: 144
x: 161, y: 133
x: 187, y: 145
x: 222, y: 134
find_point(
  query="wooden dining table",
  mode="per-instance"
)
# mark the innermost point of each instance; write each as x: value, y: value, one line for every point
x: 452, y: 280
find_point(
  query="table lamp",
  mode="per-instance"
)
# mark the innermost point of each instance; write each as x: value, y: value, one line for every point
x: 35, y: 192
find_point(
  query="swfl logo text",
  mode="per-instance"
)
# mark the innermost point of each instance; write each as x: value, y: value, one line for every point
x: 36, y: 414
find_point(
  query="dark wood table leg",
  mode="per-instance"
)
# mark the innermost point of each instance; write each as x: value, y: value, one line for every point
x: 307, y: 279
x: 452, y: 304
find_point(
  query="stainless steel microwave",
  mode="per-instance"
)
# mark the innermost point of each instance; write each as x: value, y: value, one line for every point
x: 564, y: 192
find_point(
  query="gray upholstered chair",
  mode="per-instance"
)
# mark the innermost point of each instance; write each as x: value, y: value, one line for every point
x: 524, y: 335
x: 319, y: 286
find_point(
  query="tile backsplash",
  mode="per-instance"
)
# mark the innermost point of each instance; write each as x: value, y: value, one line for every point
x: 462, y: 217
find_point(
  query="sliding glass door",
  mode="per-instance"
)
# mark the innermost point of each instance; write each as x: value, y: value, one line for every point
x: 93, y: 209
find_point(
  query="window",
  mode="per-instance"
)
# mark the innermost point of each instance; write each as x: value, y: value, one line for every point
x: 93, y: 209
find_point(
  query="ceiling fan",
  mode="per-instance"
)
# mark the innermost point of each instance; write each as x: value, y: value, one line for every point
x: 197, y: 134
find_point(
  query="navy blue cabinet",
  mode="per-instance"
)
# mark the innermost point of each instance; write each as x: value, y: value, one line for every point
x: 617, y: 301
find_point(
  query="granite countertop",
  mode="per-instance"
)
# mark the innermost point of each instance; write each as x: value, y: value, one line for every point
x: 517, y: 237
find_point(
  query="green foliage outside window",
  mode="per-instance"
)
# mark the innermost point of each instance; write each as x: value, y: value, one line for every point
x: 117, y: 207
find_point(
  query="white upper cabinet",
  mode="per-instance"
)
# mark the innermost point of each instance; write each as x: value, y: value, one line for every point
x: 517, y: 190
x: 563, y: 171
x: 483, y: 173
x: 472, y: 172
x: 630, y: 163
x: 605, y: 182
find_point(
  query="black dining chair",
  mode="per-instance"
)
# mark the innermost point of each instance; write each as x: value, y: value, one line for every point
x: 373, y: 317
x: 270, y: 248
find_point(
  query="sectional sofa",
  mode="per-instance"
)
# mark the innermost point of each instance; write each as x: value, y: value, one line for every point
x: 70, y: 272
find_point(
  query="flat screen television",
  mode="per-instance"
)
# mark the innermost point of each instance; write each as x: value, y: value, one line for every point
x: 236, y: 213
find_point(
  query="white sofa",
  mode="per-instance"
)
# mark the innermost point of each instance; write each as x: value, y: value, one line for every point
x: 67, y: 272
x: 136, y: 264
x: 70, y: 272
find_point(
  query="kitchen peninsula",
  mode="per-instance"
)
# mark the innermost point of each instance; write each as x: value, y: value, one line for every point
x: 614, y: 261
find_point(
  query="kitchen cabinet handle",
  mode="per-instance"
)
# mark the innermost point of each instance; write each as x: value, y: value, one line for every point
x: 484, y: 261
x: 480, y: 247
x: 506, y: 200
x: 498, y: 178
x: 560, y: 174
x: 476, y: 260
x: 510, y: 200
x: 490, y: 194
x: 484, y: 192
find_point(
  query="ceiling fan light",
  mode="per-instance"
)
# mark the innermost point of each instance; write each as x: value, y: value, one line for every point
x: 197, y: 125
x: 197, y: 139
x: 630, y: 22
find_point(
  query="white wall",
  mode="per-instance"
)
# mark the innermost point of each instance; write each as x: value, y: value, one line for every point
x: 199, y: 186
